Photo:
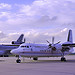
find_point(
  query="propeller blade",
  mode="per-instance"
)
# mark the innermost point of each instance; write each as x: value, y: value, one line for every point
x: 52, y: 40
x: 58, y: 42
x: 48, y: 41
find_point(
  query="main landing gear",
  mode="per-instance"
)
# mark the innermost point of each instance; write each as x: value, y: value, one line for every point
x: 18, y: 60
x: 35, y: 58
x: 63, y: 58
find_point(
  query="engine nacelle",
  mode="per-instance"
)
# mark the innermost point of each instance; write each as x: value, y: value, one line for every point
x: 13, y: 42
x: 56, y: 47
x: 65, y: 49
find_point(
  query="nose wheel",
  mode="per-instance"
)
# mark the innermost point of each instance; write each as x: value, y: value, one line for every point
x: 18, y: 60
x: 63, y: 59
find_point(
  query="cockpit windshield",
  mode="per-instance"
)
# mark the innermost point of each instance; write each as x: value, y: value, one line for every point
x: 24, y: 46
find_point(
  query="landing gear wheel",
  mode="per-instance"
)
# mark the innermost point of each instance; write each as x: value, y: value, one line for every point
x: 35, y: 58
x: 18, y: 61
x: 63, y: 59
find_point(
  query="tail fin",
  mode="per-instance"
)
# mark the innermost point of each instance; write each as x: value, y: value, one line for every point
x: 70, y: 36
x: 19, y: 40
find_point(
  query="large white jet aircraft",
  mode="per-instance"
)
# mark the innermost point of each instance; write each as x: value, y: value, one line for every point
x: 44, y: 50
x: 5, y: 48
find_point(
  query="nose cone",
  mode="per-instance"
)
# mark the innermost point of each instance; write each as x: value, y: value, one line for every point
x: 14, y: 51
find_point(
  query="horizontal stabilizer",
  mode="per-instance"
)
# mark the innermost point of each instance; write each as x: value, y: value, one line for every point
x: 71, y: 45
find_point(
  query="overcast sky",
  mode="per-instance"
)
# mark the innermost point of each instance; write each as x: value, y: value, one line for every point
x: 38, y: 20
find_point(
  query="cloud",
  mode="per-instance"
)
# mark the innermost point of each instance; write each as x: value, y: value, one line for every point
x: 2, y: 35
x: 48, y: 7
x: 41, y: 11
x: 5, y: 6
x: 65, y: 29
x: 38, y: 21
x: 33, y: 36
x: 47, y: 13
x: 8, y: 38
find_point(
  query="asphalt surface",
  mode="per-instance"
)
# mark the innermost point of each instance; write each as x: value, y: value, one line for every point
x: 44, y: 66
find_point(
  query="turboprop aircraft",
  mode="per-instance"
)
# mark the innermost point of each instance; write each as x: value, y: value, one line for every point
x: 45, y: 50
x: 5, y: 48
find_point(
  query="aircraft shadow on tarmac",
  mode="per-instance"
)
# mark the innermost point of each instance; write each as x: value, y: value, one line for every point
x: 2, y: 60
x: 72, y: 61
x: 49, y: 61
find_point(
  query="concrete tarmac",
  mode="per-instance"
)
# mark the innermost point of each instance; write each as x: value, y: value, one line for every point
x: 43, y: 66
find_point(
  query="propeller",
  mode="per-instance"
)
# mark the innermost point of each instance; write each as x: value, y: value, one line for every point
x: 57, y: 46
x: 52, y: 46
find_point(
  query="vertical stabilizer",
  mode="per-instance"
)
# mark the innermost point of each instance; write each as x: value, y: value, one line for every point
x: 70, y: 39
x: 20, y: 38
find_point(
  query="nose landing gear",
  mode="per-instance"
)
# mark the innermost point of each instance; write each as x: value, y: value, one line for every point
x: 18, y: 60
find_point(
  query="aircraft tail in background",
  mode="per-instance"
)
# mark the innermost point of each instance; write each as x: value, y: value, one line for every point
x: 19, y: 40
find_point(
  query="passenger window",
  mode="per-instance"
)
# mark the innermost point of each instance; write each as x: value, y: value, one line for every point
x: 27, y: 46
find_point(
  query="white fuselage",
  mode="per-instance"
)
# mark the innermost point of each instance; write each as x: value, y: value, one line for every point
x: 38, y: 50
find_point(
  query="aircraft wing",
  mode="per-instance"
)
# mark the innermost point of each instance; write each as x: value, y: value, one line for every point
x: 71, y: 45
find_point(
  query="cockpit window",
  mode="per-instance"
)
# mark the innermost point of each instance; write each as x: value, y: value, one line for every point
x: 24, y: 46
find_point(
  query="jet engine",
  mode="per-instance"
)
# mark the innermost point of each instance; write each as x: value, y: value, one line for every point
x: 15, y: 42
